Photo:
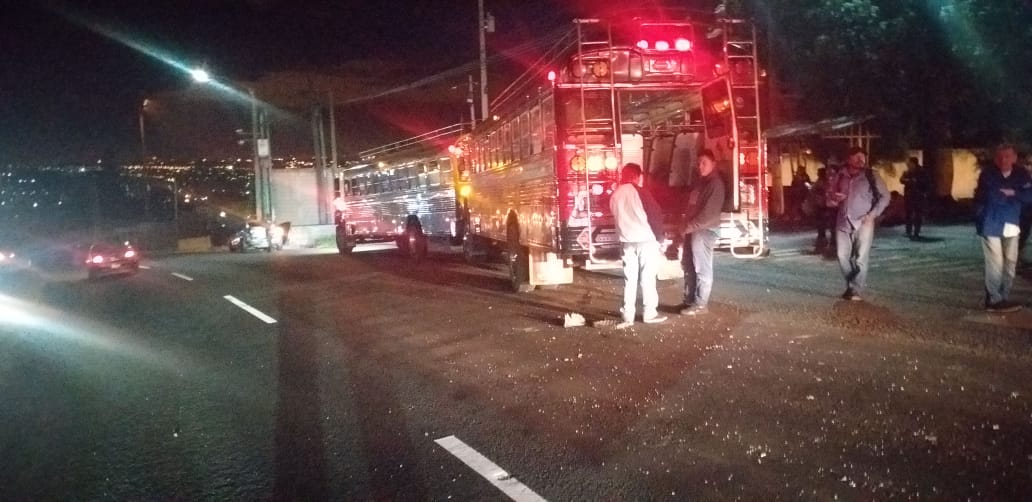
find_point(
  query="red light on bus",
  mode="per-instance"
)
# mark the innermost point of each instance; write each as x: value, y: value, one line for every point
x: 551, y: 76
x: 662, y: 45
x: 683, y: 44
x: 643, y: 45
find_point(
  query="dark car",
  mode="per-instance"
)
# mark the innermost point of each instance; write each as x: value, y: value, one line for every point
x: 106, y: 258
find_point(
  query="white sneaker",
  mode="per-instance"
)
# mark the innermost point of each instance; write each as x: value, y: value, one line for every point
x: 656, y: 319
x: 624, y: 324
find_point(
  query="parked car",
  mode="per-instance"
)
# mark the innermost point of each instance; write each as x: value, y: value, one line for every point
x: 111, y: 257
x: 254, y: 235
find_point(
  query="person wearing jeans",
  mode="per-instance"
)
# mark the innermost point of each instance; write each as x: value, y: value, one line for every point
x: 702, y: 221
x: 639, y: 225
x: 999, y: 196
x: 862, y: 196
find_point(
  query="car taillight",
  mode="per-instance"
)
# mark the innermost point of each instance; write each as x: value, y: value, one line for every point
x: 130, y: 253
x: 97, y: 259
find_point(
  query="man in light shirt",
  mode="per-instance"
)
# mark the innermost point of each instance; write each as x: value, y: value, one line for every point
x: 639, y: 225
x: 1000, y: 193
x: 861, y: 196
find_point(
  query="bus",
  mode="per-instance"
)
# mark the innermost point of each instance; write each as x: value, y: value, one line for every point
x: 650, y: 91
x: 400, y: 191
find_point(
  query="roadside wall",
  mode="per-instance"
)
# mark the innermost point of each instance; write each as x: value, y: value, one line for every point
x: 294, y: 196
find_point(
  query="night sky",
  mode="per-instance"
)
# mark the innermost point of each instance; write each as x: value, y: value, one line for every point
x: 71, y: 94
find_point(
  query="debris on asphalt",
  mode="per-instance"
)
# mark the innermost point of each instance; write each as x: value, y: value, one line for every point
x: 573, y: 320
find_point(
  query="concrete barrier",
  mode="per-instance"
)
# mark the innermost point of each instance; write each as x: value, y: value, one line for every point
x: 194, y: 245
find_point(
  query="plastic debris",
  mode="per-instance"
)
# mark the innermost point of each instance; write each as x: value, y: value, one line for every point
x: 573, y: 320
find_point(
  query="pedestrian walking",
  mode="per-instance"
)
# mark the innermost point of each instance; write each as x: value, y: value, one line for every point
x: 704, y: 203
x: 862, y: 197
x: 639, y: 225
x: 798, y: 192
x: 824, y: 222
x: 999, y: 196
x: 917, y: 188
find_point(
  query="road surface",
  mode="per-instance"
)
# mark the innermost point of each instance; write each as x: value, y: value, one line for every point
x: 308, y: 375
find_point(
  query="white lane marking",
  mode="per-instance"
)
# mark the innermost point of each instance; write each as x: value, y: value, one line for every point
x: 489, y: 470
x: 181, y: 276
x: 144, y: 267
x: 249, y: 309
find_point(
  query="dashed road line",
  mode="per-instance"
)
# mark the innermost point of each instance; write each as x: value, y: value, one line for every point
x: 181, y: 276
x: 249, y: 309
x: 489, y: 470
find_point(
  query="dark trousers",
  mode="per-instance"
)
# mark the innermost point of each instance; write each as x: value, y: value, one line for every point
x: 824, y: 217
x: 915, y: 216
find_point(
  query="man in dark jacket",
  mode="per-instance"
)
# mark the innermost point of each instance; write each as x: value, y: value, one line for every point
x: 702, y: 222
x: 917, y: 188
x: 999, y: 196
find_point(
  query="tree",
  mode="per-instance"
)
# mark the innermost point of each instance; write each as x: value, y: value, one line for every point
x: 932, y: 73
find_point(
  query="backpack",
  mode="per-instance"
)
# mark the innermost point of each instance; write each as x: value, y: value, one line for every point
x: 875, y: 194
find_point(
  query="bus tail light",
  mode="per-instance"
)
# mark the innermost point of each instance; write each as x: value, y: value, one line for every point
x: 643, y: 45
x: 683, y: 44
x: 662, y: 45
x: 595, y: 163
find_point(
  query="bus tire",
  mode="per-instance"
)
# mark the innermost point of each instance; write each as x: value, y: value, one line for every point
x: 519, y: 263
x: 473, y: 250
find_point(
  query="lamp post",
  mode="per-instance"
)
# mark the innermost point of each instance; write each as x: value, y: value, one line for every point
x: 143, y: 133
x: 260, y: 149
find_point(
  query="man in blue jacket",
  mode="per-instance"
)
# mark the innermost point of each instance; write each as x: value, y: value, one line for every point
x: 1000, y: 193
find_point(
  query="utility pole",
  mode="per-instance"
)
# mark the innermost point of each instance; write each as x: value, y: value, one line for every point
x: 319, y: 148
x: 486, y: 25
x: 259, y: 181
x: 333, y: 135
x: 143, y: 132
x: 472, y: 105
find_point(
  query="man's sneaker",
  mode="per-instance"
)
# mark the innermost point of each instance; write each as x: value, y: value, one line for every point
x: 656, y: 319
x: 1002, y: 306
x: 851, y: 295
x: 624, y: 324
x: 694, y: 310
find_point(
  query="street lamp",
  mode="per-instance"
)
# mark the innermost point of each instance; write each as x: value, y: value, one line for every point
x: 200, y: 75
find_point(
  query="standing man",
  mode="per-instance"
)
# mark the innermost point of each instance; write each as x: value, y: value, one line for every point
x: 862, y: 197
x: 917, y: 187
x: 639, y: 225
x: 702, y: 222
x: 999, y: 196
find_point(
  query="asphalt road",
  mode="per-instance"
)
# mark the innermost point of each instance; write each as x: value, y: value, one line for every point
x: 348, y: 370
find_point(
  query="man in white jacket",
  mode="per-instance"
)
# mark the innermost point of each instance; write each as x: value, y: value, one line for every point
x: 639, y: 224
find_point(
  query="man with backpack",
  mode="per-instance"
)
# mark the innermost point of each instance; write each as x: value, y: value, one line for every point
x: 639, y: 225
x: 861, y: 196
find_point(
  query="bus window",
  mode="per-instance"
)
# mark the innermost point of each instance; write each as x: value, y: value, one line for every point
x: 536, y: 130
x: 525, y: 147
x: 588, y: 123
x: 548, y: 123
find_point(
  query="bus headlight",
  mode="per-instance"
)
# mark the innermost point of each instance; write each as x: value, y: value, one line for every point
x: 465, y: 191
x: 595, y: 163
